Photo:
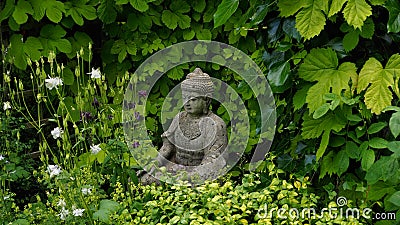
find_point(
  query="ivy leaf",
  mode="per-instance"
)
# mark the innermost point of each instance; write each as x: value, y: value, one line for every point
x: 378, y: 95
x: 350, y: 40
x: 393, y: 6
x: 322, y: 65
x: 21, y: 10
x: 356, y: 12
x: 394, y: 124
x: 310, y: 21
x: 139, y: 5
x: 224, y: 11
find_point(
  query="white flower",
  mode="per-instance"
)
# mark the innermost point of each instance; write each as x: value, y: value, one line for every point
x: 53, y: 170
x: 95, y: 73
x: 56, y: 132
x: 6, y: 197
x: 78, y: 212
x: 61, y: 203
x: 2, y: 157
x: 86, y: 191
x: 6, y: 106
x: 95, y: 149
x: 64, y: 213
x: 53, y: 82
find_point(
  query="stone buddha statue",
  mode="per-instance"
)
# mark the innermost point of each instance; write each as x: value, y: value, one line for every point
x: 196, y: 137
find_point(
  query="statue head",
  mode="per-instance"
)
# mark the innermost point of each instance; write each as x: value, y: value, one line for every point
x: 197, y: 91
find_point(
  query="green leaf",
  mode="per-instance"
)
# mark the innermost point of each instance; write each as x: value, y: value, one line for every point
x: 106, y: 11
x: 327, y: 165
x: 313, y: 128
x: 203, y: 34
x: 188, y: 34
x: 377, y: 142
x: 378, y: 96
x: 379, y: 190
x: 393, y: 6
x: 321, y: 111
x: 68, y: 77
x: 184, y: 21
x: 350, y: 40
x: 299, y: 99
x: 17, y: 51
x: 32, y: 47
x: 336, y: 6
x: 368, y: 29
x: 321, y: 65
x: 394, y: 146
x: 170, y: 19
x: 376, y: 127
x: 395, y: 198
x: 367, y: 159
x: 224, y: 11
x: 63, y: 45
x: 290, y: 7
x: 341, y: 162
x: 139, y: 5
x: 199, y: 49
x: 260, y: 14
x: 8, y: 10
x: 382, y: 169
x: 394, y: 124
x: 198, y: 5
x: 323, y: 145
x: 310, y: 21
x: 21, y: 10
x: 356, y: 12
x: 54, y: 10
x: 278, y: 74
x: 71, y: 108
x: 352, y: 150
x: 102, y: 215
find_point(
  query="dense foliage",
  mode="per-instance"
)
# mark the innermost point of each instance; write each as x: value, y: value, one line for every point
x: 334, y: 68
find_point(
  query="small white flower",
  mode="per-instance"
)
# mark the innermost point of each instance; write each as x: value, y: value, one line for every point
x: 86, y: 191
x: 95, y: 149
x: 95, y: 73
x: 64, y: 213
x: 56, y: 132
x: 61, y: 203
x: 2, y: 157
x: 6, y: 197
x: 78, y: 212
x: 6, y: 105
x: 53, y: 82
x: 53, y: 170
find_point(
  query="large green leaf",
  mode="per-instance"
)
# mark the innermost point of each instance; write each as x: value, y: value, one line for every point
x: 383, y: 169
x: 290, y: 7
x: 224, y: 11
x: 341, y: 162
x: 54, y: 10
x: 106, y: 11
x: 21, y: 11
x: 393, y: 6
x: 394, y: 124
x: 335, y: 7
x: 377, y: 82
x: 321, y: 65
x: 356, y: 12
x: 310, y: 21
x: 8, y: 10
x: 140, y: 5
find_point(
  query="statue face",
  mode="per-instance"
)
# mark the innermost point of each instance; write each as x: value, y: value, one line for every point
x: 194, y: 105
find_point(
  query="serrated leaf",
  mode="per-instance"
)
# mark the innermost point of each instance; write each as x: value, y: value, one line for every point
x: 367, y: 159
x: 87, y: 11
x: 198, y: 5
x: 368, y: 29
x: 322, y: 145
x: 140, y: 5
x: 313, y: 128
x: 180, y: 7
x: 321, y: 65
x: 290, y: 7
x: 356, y: 12
x: 106, y: 11
x: 224, y: 11
x: 170, y: 19
x: 378, y: 96
x: 21, y: 11
x: 184, y: 21
x: 175, y: 73
x: 54, y: 11
x: 7, y: 10
x: 204, y: 34
x: 393, y: 6
x: 63, y: 45
x: 327, y: 165
x: 310, y: 21
x: 394, y: 124
x: 350, y: 40
x: 76, y: 17
x: 38, y: 9
x: 336, y: 6
x: 188, y: 34
x: 32, y: 47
